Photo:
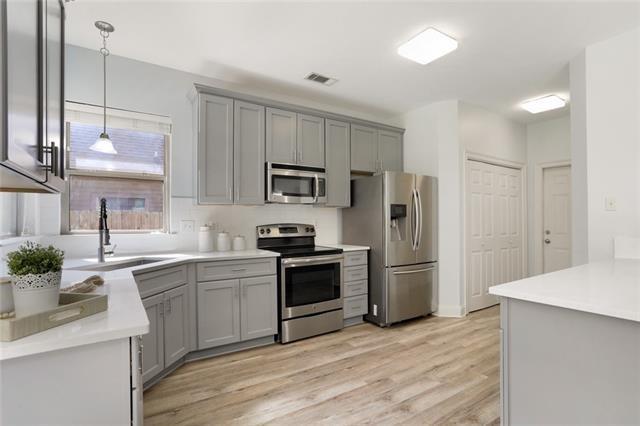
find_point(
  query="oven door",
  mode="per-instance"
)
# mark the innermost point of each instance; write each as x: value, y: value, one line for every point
x: 310, y: 285
x: 295, y: 186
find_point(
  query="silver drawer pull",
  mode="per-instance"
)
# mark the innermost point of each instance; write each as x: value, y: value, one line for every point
x: 413, y: 272
x: 239, y: 270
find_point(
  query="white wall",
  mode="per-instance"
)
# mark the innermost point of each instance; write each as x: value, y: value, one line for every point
x: 435, y: 140
x: 608, y: 139
x: 547, y: 142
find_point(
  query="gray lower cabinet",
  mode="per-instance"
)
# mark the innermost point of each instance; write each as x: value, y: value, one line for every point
x: 235, y: 310
x: 364, y: 147
x: 338, y: 163
x: 218, y: 313
x: 281, y: 136
x: 167, y: 340
x: 389, y: 151
x: 356, y: 285
x: 248, y: 153
x: 310, y: 140
x: 215, y: 150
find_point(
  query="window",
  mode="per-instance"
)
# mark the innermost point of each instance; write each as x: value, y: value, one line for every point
x: 134, y: 181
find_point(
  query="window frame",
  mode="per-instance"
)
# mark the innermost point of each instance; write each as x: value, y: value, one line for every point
x: 65, y: 217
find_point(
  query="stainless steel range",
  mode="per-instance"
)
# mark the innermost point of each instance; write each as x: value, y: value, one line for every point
x: 310, y: 277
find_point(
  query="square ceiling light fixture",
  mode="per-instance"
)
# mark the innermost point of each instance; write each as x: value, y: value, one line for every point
x: 428, y: 46
x: 545, y: 103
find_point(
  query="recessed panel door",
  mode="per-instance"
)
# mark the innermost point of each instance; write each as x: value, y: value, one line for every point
x: 557, y: 218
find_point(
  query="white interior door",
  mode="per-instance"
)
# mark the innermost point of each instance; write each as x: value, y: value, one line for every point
x: 493, y: 230
x: 557, y: 218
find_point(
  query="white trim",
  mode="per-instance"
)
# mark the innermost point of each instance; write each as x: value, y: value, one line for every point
x: 522, y: 166
x: 450, y: 311
x: 538, y: 211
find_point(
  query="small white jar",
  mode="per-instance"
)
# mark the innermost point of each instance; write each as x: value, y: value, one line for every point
x: 224, y: 241
x: 205, y: 239
x: 239, y: 243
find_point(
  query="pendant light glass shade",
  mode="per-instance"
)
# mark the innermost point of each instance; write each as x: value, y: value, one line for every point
x: 104, y: 145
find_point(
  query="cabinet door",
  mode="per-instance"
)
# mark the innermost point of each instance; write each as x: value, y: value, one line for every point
x: 248, y: 153
x: 338, y: 164
x: 22, y: 149
x: 258, y: 307
x: 310, y: 141
x: 218, y: 313
x: 281, y: 136
x: 215, y: 150
x: 176, y: 332
x: 53, y: 108
x: 364, y: 147
x: 153, y: 342
x: 389, y: 151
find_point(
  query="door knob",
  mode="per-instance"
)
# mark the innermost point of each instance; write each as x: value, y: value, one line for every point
x: 547, y: 241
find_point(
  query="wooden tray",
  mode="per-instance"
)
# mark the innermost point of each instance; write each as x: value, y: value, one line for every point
x: 72, y: 306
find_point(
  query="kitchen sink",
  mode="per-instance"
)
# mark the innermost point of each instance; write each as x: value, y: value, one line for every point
x: 118, y: 264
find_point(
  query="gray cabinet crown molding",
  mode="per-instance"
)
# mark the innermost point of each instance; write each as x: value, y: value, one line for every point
x: 201, y: 88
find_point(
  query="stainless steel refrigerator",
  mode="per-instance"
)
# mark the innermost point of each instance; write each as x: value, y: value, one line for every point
x: 396, y: 214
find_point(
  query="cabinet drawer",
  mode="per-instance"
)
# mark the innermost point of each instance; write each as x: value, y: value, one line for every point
x: 355, y: 258
x: 355, y: 288
x: 355, y: 306
x: 154, y: 282
x: 228, y: 269
x: 355, y: 273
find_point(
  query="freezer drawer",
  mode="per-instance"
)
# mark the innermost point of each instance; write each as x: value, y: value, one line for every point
x: 410, y: 291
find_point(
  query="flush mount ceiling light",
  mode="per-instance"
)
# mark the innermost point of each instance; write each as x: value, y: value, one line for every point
x: 103, y: 144
x: 545, y: 103
x: 428, y: 46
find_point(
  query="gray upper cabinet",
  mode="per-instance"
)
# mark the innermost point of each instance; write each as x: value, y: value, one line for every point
x: 389, y: 151
x: 364, y: 148
x: 153, y: 342
x: 257, y: 307
x: 215, y: 150
x: 32, y: 46
x: 218, y: 313
x: 338, y: 163
x: 248, y: 153
x: 310, y: 141
x: 281, y: 136
x: 176, y: 331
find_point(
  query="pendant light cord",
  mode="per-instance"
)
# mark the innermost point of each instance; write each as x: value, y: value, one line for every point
x: 104, y: 52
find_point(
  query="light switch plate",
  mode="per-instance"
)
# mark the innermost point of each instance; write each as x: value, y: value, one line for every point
x: 187, y: 225
x: 610, y: 204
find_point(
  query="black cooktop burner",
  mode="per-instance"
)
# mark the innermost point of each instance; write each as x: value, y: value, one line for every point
x: 305, y: 251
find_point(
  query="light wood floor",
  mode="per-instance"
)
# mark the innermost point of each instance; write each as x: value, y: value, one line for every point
x: 428, y: 371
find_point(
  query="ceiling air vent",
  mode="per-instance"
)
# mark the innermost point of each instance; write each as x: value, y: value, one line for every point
x: 319, y: 78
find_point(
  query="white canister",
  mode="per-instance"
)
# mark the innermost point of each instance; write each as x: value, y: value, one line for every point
x: 35, y: 293
x: 224, y: 241
x: 205, y: 239
x: 239, y: 243
x: 6, y: 295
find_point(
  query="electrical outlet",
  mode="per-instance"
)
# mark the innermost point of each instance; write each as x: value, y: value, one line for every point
x: 187, y: 225
x: 213, y: 226
x: 610, y: 204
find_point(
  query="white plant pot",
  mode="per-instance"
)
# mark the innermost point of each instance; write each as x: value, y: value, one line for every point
x: 34, y: 293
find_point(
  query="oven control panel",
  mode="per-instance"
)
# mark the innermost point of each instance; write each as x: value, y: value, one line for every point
x: 286, y: 230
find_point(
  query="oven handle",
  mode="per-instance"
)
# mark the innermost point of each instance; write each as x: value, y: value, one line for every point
x: 291, y: 262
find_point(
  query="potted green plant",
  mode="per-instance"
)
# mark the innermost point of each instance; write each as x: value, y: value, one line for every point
x: 36, y: 272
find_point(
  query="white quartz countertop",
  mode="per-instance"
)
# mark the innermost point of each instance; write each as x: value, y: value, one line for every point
x: 125, y: 316
x: 348, y: 247
x: 610, y: 288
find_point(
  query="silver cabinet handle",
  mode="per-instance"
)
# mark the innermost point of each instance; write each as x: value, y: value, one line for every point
x: 161, y: 309
x: 238, y: 270
x: 140, y: 356
x: 416, y: 271
x: 168, y: 306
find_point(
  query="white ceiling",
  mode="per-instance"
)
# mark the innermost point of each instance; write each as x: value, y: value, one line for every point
x: 508, y: 52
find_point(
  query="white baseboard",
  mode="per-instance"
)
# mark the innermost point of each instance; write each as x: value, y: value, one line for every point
x: 453, y: 311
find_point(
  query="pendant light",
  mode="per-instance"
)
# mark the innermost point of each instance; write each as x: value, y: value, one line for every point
x: 103, y: 144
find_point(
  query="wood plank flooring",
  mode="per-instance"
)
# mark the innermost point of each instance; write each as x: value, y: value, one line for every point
x: 427, y: 371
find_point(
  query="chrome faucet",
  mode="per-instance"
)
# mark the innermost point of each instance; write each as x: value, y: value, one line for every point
x: 103, y: 232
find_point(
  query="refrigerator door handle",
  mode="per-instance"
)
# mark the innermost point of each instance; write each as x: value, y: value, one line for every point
x: 416, y: 213
x: 419, y: 225
x: 412, y: 220
x: 415, y: 271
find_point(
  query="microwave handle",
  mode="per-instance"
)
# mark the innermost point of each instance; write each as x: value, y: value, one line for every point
x: 316, y: 188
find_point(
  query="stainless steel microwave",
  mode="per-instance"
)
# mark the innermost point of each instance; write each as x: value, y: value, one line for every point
x: 291, y: 184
